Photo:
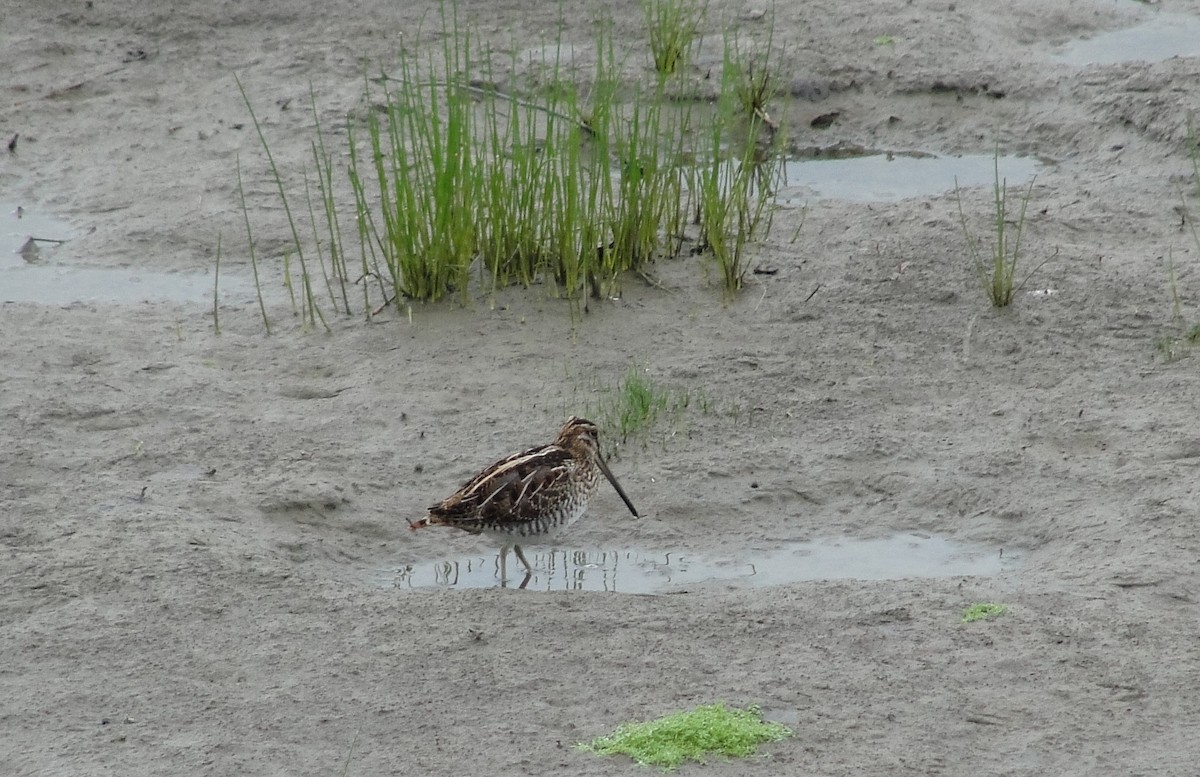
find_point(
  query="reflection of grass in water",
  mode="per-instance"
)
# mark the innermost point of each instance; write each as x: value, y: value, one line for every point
x: 694, y: 734
x: 983, y: 611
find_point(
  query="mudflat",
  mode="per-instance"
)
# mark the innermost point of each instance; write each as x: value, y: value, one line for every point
x: 197, y: 530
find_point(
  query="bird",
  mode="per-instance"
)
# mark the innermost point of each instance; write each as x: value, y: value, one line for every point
x: 531, y: 495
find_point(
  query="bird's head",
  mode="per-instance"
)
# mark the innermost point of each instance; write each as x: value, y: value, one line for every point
x: 581, y: 438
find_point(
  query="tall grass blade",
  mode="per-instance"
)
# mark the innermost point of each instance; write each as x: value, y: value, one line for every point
x: 312, y: 220
x: 262, y: 307
x: 283, y: 198
x: 216, y: 288
x: 324, y: 164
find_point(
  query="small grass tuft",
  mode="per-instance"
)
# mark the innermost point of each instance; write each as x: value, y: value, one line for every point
x: 637, y: 405
x: 1175, y: 346
x: 1171, y: 348
x: 983, y: 611
x: 998, y: 273
x: 753, y: 78
x: 734, y: 183
x: 673, y: 26
x: 640, y: 402
x: 711, y: 729
x: 1186, y: 337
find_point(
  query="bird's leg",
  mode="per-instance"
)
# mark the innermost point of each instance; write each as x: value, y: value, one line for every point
x: 525, y: 561
x: 503, y: 565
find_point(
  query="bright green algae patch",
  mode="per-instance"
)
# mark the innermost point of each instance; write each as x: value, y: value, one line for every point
x: 983, y: 611
x: 694, y: 734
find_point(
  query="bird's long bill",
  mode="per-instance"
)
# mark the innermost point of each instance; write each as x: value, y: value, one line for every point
x: 616, y: 485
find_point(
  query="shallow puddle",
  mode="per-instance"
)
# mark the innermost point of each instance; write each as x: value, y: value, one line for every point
x: 897, y: 557
x: 28, y: 235
x: 1160, y: 37
x: 892, y: 177
x: 28, y: 272
x: 53, y: 284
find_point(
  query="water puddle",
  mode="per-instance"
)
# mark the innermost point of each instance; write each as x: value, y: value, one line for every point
x: 891, y: 177
x: 28, y: 236
x: 52, y: 284
x: 1162, y: 36
x: 28, y: 272
x: 897, y: 557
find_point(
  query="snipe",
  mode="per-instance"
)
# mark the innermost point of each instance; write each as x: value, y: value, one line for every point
x: 530, y: 495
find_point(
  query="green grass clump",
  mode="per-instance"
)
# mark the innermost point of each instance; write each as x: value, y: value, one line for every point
x: 736, y: 179
x: 998, y: 271
x: 444, y: 174
x: 753, y: 77
x: 566, y: 178
x: 673, y: 26
x: 983, y: 611
x: 692, y: 735
x: 638, y: 404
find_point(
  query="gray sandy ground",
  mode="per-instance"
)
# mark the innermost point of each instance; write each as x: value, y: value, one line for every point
x: 192, y: 526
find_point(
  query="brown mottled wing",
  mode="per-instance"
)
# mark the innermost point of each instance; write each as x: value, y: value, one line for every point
x: 508, y: 492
